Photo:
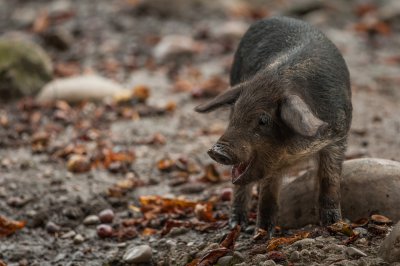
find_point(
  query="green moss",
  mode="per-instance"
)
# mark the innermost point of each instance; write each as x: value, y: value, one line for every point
x: 24, y: 69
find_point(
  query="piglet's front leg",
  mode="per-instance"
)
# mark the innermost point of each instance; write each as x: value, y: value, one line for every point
x: 240, y: 205
x: 268, y: 204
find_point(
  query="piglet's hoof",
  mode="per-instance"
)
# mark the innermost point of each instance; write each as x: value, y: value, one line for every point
x: 330, y: 216
x: 238, y: 219
x: 262, y: 234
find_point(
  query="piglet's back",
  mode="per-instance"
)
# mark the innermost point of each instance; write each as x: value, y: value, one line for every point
x: 301, y: 60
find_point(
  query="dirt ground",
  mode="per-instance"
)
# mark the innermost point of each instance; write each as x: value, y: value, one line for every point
x: 116, y: 39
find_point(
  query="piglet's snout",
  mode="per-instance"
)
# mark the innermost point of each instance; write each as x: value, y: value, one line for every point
x: 220, y: 154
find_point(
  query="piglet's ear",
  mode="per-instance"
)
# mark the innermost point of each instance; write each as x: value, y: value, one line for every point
x: 297, y: 115
x: 226, y: 98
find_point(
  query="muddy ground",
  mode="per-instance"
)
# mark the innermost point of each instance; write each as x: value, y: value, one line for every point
x: 116, y: 39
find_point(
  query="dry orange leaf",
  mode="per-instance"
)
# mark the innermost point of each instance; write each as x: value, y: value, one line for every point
x: 230, y: 239
x: 380, y: 219
x: 141, y: 92
x: 204, y: 212
x: 8, y: 227
x: 42, y: 22
x: 274, y: 243
x: 165, y: 164
x: 341, y: 227
x: 78, y: 164
x: 149, y: 231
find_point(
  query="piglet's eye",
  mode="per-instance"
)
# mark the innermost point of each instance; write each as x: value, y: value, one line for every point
x: 265, y: 120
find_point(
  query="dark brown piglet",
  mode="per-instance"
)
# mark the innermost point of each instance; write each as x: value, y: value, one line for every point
x: 290, y: 100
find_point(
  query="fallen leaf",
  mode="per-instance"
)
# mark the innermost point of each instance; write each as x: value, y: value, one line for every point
x: 380, y: 219
x: 211, y: 257
x: 123, y: 186
x: 175, y: 223
x: 274, y: 243
x: 260, y: 234
x: 165, y: 165
x: 141, y: 93
x: 351, y: 239
x: 41, y: 22
x: 66, y: 69
x: 378, y: 229
x: 78, y: 164
x: 40, y: 141
x: 8, y: 227
x: 149, y: 231
x: 125, y: 233
x: 210, y: 88
x: 341, y: 227
x: 204, y: 212
x: 230, y: 239
x: 276, y: 256
x: 360, y: 222
x: 211, y: 174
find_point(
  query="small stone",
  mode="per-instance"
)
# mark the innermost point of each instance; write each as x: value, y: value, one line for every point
x: 250, y: 229
x: 78, y: 239
x: 333, y: 248
x: 353, y: 252
x: 91, y: 220
x: 104, y: 231
x: 268, y: 263
x: 206, y: 249
x: 226, y: 194
x: 69, y: 234
x: 238, y: 257
x: 176, y: 46
x: 294, y: 256
x: 178, y: 231
x: 361, y: 231
x: 106, y: 216
x: 305, y: 255
x: 225, y: 261
x: 390, y: 248
x: 138, y: 254
x: 259, y: 258
x: 304, y: 243
x: 52, y: 228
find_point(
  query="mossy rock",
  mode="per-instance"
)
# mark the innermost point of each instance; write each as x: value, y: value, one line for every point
x: 24, y: 69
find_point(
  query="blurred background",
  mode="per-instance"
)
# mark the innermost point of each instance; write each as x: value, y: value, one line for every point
x: 97, y: 98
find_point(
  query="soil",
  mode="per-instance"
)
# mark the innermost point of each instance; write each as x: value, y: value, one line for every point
x: 116, y: 40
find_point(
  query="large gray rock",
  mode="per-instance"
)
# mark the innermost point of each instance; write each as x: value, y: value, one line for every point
x: 369, y: 185
x: 24, y: 68
x: 390, y: 248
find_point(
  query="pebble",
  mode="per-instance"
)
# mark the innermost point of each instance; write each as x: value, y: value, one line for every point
x: 104, y: 231
x: 91, y: 220
x: 178, y: 231
x: 226, y: 194
x: 353, y: 252
x: 333, y: 248
x: 259, y: 258
x: 106, y: 216
x: 52, y: 228
x: 69, y: 234
x: 138, y: 254
x: 305, y: 255
x: 294, y: 256
x: 78, y: 239
x: 304, y: 243
x: 225, y: 261
x: 390, y: 248
x: 361, y: 231
x: 268, y: 263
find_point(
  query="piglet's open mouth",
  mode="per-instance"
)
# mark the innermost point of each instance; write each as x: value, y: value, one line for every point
x: 239, y: 170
